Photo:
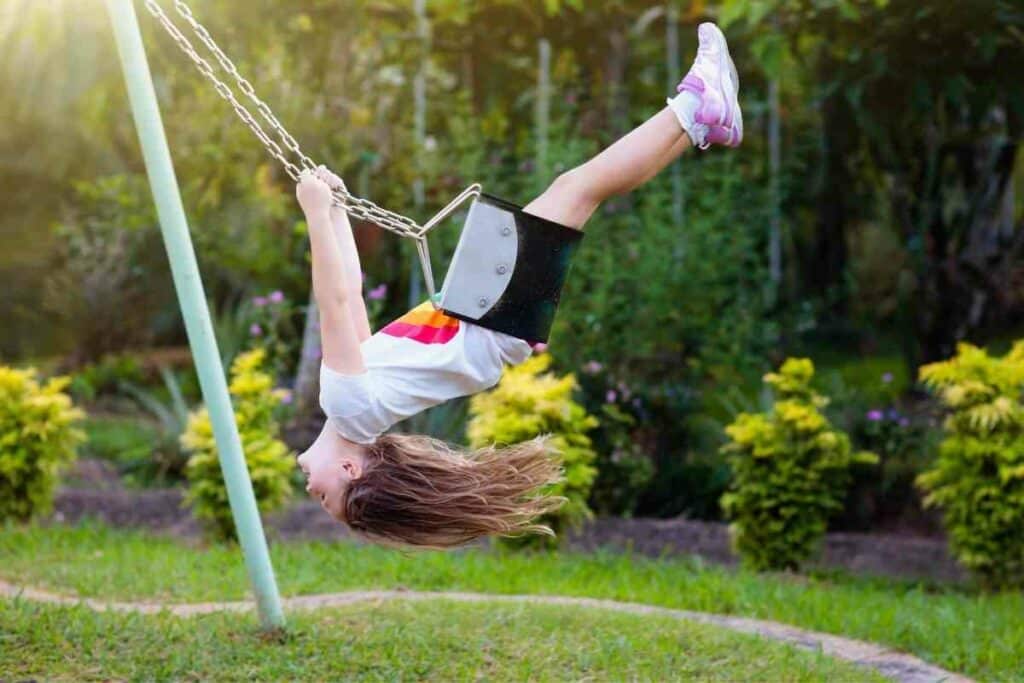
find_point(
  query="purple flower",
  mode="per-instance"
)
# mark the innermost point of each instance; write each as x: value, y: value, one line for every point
x: 592, y: 367
x: 611, y: 396
x: 892, y: 414
x: 255, y: 330
x: 904, y: 422
x: 887, y: 378
x: 276, y: 297
x: 259, y: 301
x: 875, y: 415
x: 377, y: 293
x: 286, y: 397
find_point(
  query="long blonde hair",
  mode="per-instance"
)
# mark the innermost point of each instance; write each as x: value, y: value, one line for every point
x: 418, y: 491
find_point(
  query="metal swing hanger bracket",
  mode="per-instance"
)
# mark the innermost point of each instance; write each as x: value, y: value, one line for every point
x: 423, y: 249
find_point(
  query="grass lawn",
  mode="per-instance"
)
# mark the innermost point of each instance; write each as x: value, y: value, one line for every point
x: 440, y: 641
x: 979, y: 635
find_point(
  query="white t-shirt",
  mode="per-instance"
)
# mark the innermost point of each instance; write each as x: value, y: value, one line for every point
x: 418, y: 361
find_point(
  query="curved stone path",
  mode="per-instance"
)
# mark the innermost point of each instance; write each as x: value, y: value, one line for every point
x: 890, y: 663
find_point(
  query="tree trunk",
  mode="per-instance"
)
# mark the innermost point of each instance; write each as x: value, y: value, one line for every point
x: 618, y: 106
x: 966, y: 274
x: 306, y: 392
x: 543, y: 105
x: 827, y: 269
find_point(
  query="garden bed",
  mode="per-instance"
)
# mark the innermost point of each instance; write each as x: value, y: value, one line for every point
x: 97, y: 493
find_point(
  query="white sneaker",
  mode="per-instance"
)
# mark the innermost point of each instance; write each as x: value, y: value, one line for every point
x: 716, y: 117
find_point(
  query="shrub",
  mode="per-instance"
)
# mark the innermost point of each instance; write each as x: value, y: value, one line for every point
x: 103, y: 378
x: 623, y: 469
x: 269, y: 460
x: 978, y: 478
x: 529, y: 402
x: 165, y: 459
x: 664, y: 302
x: 905, y: 439
x: 37, y: 436
x: 790, y: 470
x: 125, y: 441
x: 109, y: 287
x: 271, y: 323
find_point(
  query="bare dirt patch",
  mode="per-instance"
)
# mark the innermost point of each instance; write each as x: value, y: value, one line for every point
x: 98, y: 494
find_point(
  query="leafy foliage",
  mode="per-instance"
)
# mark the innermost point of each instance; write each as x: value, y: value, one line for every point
x: 270, y: 462
x: 978, y: 478
x: 623, y: 469
x: 530, y: 402
x: 658, y: 301
x: 790, y: 470
x: 38, y: 435
x: 101, y: 286
x: 105, y: 376
x: 166, y: 458
x: 126, y: 442
x: 919, y: 136
x: 893, y: 190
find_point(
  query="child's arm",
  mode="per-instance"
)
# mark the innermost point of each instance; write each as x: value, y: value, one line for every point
x: 339, y: 337
x: 353, y: 272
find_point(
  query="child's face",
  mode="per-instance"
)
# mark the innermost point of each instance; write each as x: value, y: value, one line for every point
x: 329, y: 465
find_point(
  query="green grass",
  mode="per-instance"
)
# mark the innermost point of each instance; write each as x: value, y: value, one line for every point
x: 142, y: 453
x: 118, y: 438
x: 980, y: 635
x: 441, y: 641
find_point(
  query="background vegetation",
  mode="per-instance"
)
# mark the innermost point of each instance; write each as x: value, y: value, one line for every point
x: 872, y: 219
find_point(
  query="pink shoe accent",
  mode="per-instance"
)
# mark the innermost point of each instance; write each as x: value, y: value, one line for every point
x: 728, y: 137
x: 714, y: 80
x: 692, y: 83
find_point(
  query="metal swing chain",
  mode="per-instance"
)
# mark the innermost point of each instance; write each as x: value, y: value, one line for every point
x: 356, y: 206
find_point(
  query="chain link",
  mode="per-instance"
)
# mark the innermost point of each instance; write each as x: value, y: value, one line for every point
x: 356, y: 206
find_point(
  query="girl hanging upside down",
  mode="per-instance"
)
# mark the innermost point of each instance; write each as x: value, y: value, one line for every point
x: 413, y: 490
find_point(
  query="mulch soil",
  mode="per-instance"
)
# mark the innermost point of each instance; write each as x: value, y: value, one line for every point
x: 96, y: 492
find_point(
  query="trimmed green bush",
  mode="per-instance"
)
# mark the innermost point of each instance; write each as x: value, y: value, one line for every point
x: 105, y: 376
x: 790, y: 469
x: 978, y: 478
x: 38, y: 435
x: 623, y: 468
x: 270, y: 462
x: 529, y: 402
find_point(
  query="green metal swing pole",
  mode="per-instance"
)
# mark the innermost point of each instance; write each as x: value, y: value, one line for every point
x: 192, y: 300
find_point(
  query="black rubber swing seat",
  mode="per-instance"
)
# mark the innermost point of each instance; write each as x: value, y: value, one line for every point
x: 508, y: 269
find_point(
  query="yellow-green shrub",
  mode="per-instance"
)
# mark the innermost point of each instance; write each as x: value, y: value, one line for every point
x: 978, y: 478
x: 790, y: 469
x: 269, y: 460
x: 37, y: 437
x: 530, y: 402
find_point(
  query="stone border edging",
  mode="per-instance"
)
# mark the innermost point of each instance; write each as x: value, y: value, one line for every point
x: 890, y: 663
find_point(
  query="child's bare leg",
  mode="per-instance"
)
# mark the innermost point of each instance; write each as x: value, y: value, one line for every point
x: 706, y: 107
x: 628, y: 163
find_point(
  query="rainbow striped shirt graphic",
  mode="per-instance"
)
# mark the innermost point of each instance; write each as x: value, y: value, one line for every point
x: 424, y: 324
